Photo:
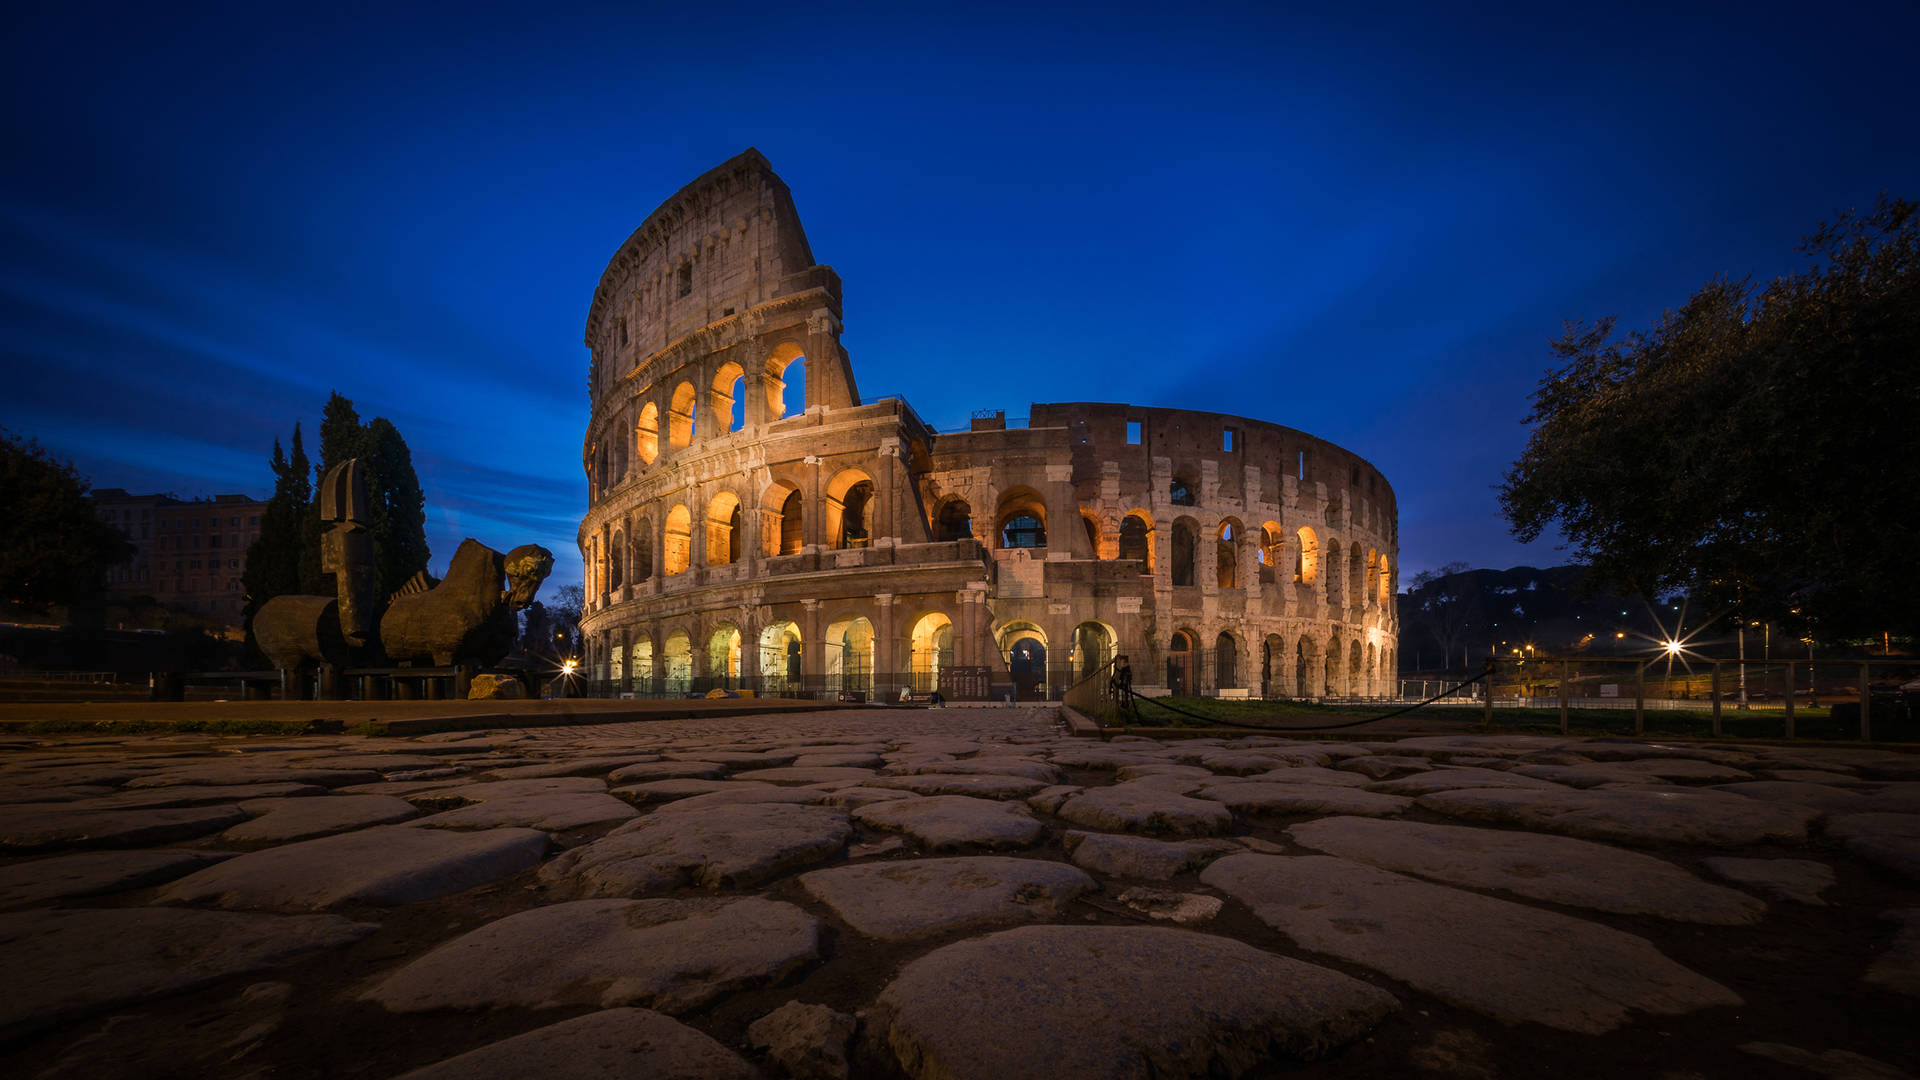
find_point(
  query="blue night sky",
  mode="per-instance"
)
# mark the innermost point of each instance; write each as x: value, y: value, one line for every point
x: 1366, y: 224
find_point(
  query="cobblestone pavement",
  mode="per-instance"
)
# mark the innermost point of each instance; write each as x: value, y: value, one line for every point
x: 953, y: 893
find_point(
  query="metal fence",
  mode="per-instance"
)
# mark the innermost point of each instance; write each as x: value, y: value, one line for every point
x: 1856, y: 693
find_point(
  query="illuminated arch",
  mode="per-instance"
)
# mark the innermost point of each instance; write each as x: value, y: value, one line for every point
x: 780, y: 654
x: 1020, y: 521
x: 1186, y: 539
x: 1136, y: 538
x: 929, y: 650
x: 678, y: 656
x: 678, y: 542
x: 726, y: 529
x: 849, y: 509
x: 723, y: 654
x: 1306, y: 557
x: 1094, y: 644
x: 1226, y: 552
x: 1272, y: 553
x: 953, y: 521
x: 730, y: 377
x: 646, y: 433
x: 849, y: 656
x: 680, y: 416
x: 784, y: 376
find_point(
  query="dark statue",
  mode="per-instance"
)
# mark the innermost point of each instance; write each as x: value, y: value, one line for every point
x: 466, y: 619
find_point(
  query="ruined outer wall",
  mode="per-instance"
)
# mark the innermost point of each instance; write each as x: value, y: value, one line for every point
x: 834, y: 527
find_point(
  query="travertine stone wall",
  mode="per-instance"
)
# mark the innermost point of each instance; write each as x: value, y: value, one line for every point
x: 1257, y: 558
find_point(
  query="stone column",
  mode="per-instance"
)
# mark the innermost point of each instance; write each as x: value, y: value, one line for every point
x: 885, y: 649
x: 813, y: 651
x: 813, y: 529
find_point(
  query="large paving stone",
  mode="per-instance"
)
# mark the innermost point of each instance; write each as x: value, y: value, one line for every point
x: 736, y: 759
x: 91, y: 873
x: 671, y: 955
x: 612, y: 1044
x: 986, y: 786
x: 1140, y: 858
x: 1680, y: 770
x: 282, y: 820
x: 66, y: 964
x: 668, y: 770
x: 743, y: 793
x: 1312, y: 774
x: 257, y: 772
x: 726, y: 846
x: 1516, y: 963
x: 916, y: 898
x: 1559, y: 869
x: 793, y: 774
x: 196, y: 795
x: 1799, y: 880
x: 944, y: 822
x: 1648, y: 817
x: 1452, y: 777
x: 593, y: 766
x: 1255, y: 797
x: 1116, y: 1002
x: 1898, y: 968
x: 487, y: 791
x: 42, y: 827
x: 555, y: 812
x: 1144, y: 809
x: 1821, y: 797
x: 1890, y: 841
x: 993, y: 766
x: 388, y: 864
x: 657, y: 791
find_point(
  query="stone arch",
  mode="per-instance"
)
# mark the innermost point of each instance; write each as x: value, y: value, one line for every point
x: 929, y: 650
x: 616, y: 559
x: 1091, y: 524
x: 728, y: 397
x: 781, y: 514
x: 1226, y: 661
x: 640, y: 663
x: 1372, y: 684
x: 1020, y: 521
x: 678, y: 542
x: 1272, y: 552
x: 1136, y: 538
x: 1274, y: 667
x: 1355, y: 688
x: 1024, y: 646
x: 783, y: 376
x: 723, y: 655
x: 726, y: 529
x: 1306, y: 557
x: 677, y: 655
x: 1335, y: 673
x: 953, y: 520
x: 1306, y: 662
x: 849, y: 509
x: 1180, y: 662
x: 1226, y: 552
x: 849, y: 653
x: 680, y: 416
x: 1386, y: 581
x: 646, y: 433
x: 1094, y: 644
x: 780, y: 654
x: 1182, y: 559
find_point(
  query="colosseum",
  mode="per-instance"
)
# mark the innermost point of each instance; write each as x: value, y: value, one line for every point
x: 753, y: 523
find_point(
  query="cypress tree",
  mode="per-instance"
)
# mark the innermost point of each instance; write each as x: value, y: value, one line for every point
x: 273, y: 561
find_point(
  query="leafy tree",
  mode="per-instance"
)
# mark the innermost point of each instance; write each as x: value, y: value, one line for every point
x: 1444, y: 605
x: 1759, y: 450
x: 274, y: 559
x: 396, y: 507
x: 536, y: 633
x: 53, y: 548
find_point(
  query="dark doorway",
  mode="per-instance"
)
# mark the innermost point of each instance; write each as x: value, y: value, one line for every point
x: 1027, y: 660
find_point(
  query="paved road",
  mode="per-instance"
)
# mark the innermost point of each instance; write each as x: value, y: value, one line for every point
x: 961, y: 892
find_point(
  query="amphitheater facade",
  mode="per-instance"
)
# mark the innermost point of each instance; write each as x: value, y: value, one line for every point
x: 752, y: 522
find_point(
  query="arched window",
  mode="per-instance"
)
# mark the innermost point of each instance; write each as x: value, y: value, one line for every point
x: 1183, y: 545
x: 1271, y: 552
x: 679, y: 541
x: 680, y: 416
x: 1093, y: 533
x: 1133, y: 540
x: 643, y: 550
x: 791, y: 534
x: 1306, y: 558
x: 853, y: 515
x: 616, y: 561
x: 1023, y: 531
x: 723, y: 530
x: 729, y: 398
x: 955, y: 521
x: 1180, y: 664
x: 1225, y: 662
x: 1180, y: 492
x: 647, y: 433
x: 1226, y: 556
x: 788, y: 366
